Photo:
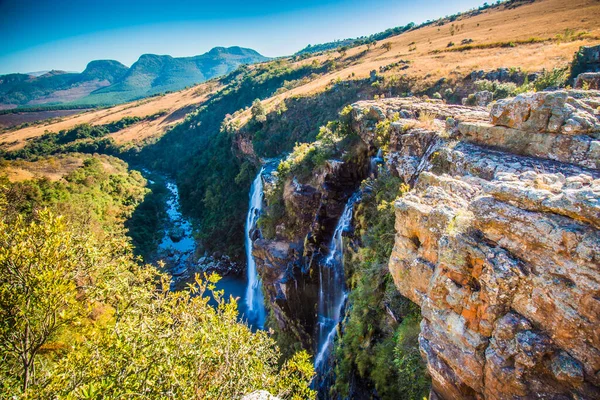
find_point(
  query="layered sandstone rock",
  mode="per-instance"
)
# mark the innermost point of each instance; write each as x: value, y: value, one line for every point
x: 499, y: 241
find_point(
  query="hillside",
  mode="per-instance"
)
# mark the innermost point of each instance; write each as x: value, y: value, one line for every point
x: 527, y: 35
x: 172, y: 106
x: 502, y: 33
x: 108, y: 82
x: 415, y: 215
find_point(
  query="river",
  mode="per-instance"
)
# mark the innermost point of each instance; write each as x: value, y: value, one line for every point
x: 178, y: 249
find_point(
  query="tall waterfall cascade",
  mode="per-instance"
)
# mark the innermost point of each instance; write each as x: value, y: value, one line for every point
x: 254, y: 295
x: 332, y: 293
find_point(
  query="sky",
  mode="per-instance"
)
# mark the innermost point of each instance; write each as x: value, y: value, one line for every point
x: 37, y: 35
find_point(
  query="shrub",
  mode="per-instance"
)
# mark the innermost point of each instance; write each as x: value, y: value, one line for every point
x: 555, y: 78
x: 501, y: 90
x: 413, y: 382
x: 101, y: 325
x: 369, y: 336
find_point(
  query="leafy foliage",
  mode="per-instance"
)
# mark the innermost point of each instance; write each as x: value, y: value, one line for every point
x: 335, y: 140
x: 372, y: 332
x: 555, y: 78
x: 81, y: 318
x: 39, y: 266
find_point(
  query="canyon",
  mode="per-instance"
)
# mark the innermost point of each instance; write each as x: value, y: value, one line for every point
x: 497, y: 240
x: 418, y: 217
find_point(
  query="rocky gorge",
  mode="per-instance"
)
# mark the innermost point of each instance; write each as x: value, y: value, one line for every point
x: 496, y: 240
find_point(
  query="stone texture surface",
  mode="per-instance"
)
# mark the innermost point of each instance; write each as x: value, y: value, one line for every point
x: 483, y: 98
x: 591, y: 80
x: 498, y: 241
x: 260, y: 395
x: 549, y: 112
x: 287, y: 262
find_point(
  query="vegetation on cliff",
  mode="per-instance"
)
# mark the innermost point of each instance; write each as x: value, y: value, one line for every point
x: 378, y: 346
x: 212, y: 180
x: 82, y: 318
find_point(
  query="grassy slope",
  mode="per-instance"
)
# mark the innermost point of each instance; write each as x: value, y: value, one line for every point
x: 541, y: 19
x: 177, y: 104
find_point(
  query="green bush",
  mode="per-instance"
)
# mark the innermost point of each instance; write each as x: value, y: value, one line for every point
x: 555, y: 78
x: 370, y: 334
x: 100, y: 324
x: 413, y: 381
x: 501, y: 90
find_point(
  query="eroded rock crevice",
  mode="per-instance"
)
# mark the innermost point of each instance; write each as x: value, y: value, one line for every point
x: 498, y: 240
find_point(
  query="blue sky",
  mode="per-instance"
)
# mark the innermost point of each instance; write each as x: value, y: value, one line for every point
x: 67, y: 34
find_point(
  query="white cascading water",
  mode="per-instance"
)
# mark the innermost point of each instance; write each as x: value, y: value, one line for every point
x: 375, y: 161
x: 332, y: 293
x: 254, y: 296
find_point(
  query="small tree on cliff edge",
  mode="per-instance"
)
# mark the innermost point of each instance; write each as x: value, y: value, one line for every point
x: 258, y: 111
x: 387, y: 46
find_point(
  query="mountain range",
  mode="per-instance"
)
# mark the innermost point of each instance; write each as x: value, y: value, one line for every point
x: 107, y: 82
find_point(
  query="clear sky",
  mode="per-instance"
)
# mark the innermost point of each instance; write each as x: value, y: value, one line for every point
x: 66, y: 34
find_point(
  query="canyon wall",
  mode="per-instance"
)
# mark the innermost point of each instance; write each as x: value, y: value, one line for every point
x: 288, y: 260
x: 498, y: 240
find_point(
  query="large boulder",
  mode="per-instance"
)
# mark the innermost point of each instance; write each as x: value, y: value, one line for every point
x: 588, y: 80
x: 587, y: 59
x: 498, y: 242
x: 552, y: 112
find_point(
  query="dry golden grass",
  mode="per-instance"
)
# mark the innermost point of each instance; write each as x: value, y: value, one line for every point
x: 176, y: 104
x: 541, y: 20
x: 544, y: 19
x: 53, y: 168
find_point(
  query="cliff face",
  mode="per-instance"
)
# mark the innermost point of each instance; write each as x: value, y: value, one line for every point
x: 288, y: 261
x: 498, y: 240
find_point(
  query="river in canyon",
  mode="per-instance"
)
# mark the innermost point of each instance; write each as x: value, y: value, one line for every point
x: 178, y: 249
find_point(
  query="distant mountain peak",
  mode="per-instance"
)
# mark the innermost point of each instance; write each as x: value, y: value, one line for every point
x: 110, y: 82
x: 233, y: 50
x: 110, y: 70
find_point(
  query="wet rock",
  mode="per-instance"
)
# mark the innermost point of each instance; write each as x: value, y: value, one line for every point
x: 176, y: 233
x: 220, y: 264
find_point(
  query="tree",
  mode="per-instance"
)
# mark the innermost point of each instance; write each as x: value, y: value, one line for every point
x: 387, y: 46
x: 258, y: 111
x: 342, y: 50
x: 39, y: 264
x: 110, y: 327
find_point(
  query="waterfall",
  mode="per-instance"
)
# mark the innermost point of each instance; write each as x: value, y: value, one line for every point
x: 332, y: 294
x: 374, y: 165
x: 254, y: 296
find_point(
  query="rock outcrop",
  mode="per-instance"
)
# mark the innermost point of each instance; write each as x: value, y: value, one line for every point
x: 498, y: 240
x: 587, y: 59
x: 591, y: 80
x: 288, y: 261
